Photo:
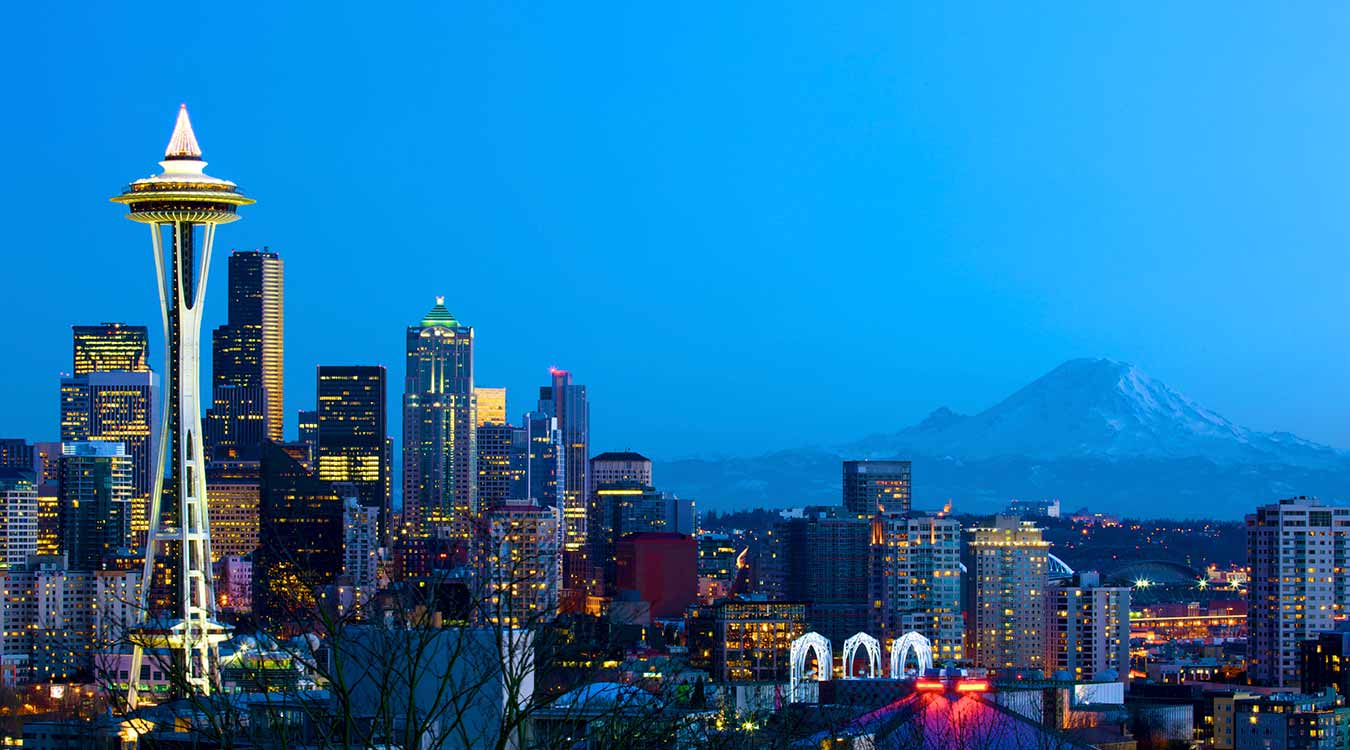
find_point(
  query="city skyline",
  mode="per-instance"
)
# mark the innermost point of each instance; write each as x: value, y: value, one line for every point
x: 714, y: 222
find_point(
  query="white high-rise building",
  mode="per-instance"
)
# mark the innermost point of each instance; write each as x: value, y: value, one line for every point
x: 1299, y: 551
x: 360, y: 544
x: 1087, y: 627
x: 523, y: 563
x: 918, y: 580
x: 18, y: 517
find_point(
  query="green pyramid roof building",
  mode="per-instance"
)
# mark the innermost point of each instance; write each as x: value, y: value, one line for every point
x: 439, y: 316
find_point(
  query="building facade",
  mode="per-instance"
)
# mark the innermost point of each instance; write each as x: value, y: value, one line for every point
x: 522, y: 560
x: 917, y: 580
x: 1008, y: 566
x: 110, y: 347
x: 824, y: 559
x: 248, y: 356
x: 497, y: 480
x: 440, y: 464
x: 95, y: 503
x: 18, y: 517
x: 233, y: 494
x: 620, y: 466
x: 1299, y: 550
x: 1087, y: 628
x: 872, y: 487
x: 301, y: 535
x: 745, y: 640
x: 353, y: 434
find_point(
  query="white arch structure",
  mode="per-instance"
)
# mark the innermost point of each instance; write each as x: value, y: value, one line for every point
x: 797, y: 661
x: 923, y: 653
x: 851, y: 647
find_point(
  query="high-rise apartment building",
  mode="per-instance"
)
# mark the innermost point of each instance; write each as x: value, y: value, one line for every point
x: 353, y: 434
x: 117, y: 407
x: 233, y: 494
x: 872, y: 487
x: 1008, y: 565
x: 18, y: 517
x: 824, y: 559
x: 440, y: 457
x: 360, y: 546
x: 248, y: 354
x: 110, y: 347
x: 491, y: 405
x: 523, y: 561
x: 620, y: 466
x: 95, y: 503
x: 917, y: 580
x: 1299, y: 550
x: 1087, y: 628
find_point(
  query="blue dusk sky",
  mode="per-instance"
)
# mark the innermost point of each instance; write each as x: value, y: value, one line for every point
x: 745, y: 226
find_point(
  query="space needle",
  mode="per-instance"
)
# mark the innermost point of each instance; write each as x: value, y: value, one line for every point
x: 182, y: 206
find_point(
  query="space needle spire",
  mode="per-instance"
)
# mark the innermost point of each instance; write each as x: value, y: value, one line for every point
x: 182, y: 206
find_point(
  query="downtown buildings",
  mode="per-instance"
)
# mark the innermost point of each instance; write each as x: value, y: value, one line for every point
x: 1008, y: 565
x: 353, y: 438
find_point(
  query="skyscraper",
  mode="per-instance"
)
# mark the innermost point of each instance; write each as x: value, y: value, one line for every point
x: 440, y: 464
x: 18, y: 517
x: 918, y: 580
x: 117, y: 407
x: 544, y: 470
x: 1299, y: 550
x: 248, y: 395
x: 95, y: 503
x: 110, y: 347
x: 301, y: 549
x: 496, y: 474
x: 567, y: 402
x: 872, y: 487
x: 183, y: 207
x: 353, y: 434
x: 1008, y: 564
x: 825, y: 559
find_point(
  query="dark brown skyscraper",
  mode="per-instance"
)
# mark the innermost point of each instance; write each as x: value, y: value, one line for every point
x: 247, y: 357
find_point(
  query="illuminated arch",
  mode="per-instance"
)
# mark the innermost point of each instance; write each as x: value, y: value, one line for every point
x: 851, y: 647
x: 923, y: 653
x: 797, y: 661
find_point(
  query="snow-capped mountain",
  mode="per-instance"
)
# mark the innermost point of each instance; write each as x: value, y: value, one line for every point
x: 1092, y: 432
x: 1095, y: 408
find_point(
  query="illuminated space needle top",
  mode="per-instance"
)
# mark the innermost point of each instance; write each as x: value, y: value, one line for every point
x: 183, y: 192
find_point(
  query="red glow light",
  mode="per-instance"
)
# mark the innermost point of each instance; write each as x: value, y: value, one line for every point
x: 973, y: 686
x: 928, y: 685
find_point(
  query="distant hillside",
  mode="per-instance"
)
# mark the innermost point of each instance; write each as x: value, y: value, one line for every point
x: 1098, y: 432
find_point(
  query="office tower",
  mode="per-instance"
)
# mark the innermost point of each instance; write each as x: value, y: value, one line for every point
x: 360, y: 545
x: 825, y: 559
x: 307, y: 430
x: 872, y: 487
x: 17, y: 453
x: 18, y: 516
x: 1007, y: 564
x: 522, y: 560
x: 620, y: 466
x: 300, y: 518
x: 183, y: 206
x: 47, y: 456
x: 662, y: 568
x: 110, y: 347
x: 1298, y: 551
x: 95, y: 504
x: 57, y: 619
x: 248, y: 396
x: 745, y: 640
x: 567, y: 402
x: 353, y: 434
x: 440, y: 465
x: 117, y: 407
x: 544, y: 470
x: 491, y: 405
x: 496, y: 477
x: 233, y: 494
x: 1087, y: 628
x: 917, y: 580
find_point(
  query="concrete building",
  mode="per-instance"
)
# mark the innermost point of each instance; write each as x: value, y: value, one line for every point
x: 872, y: 487
x: 1007, y: 564
x: 18, y: 517
x: 620, y: 466
x: 662, y: 568
x: 1298, y: 551
x: 522, y: 560
x: 917, y: 580
x: 1087, y: 628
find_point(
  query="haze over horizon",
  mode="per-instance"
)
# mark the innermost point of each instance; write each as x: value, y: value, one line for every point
x: 795, y: 226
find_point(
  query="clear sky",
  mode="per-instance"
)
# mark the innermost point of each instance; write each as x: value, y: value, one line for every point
x: 745, y: 226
